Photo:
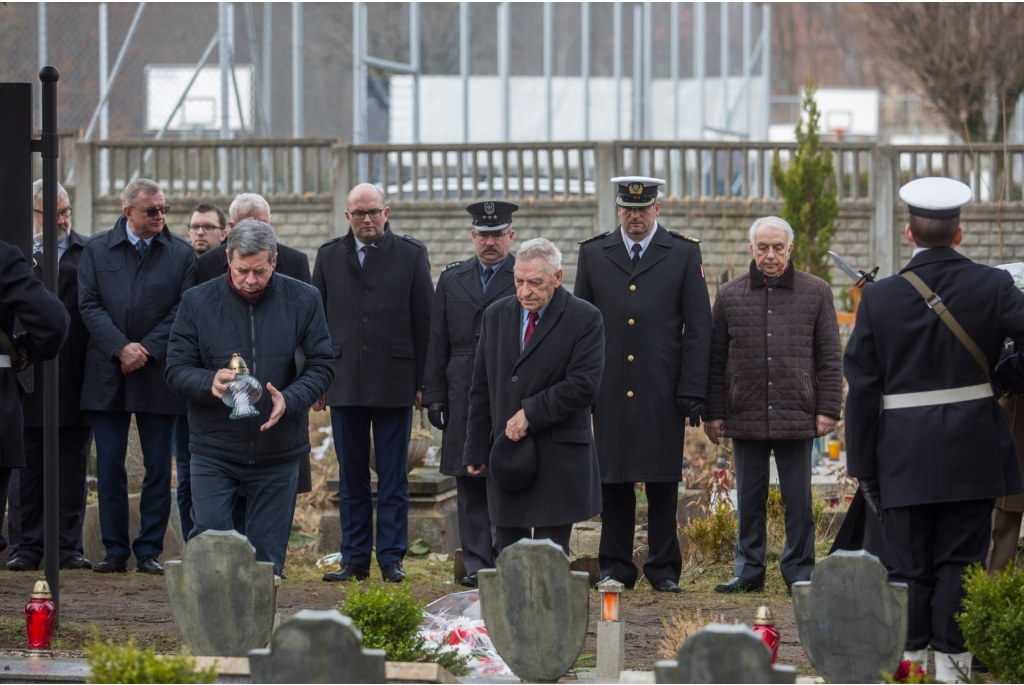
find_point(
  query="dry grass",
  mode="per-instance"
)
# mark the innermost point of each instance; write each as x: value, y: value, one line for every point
x: 310, y: 505
x: 680, y: 625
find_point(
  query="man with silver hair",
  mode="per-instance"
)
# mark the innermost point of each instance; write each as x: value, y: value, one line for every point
x: 261, y: 316
x: 130, y: 283
x: 25, y: 503
x: 775, y: 384
x: 537, y: 374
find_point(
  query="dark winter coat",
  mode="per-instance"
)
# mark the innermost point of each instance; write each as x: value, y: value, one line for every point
x: 45, y: 321
x: 640, y: 437
x: 555, y: 379
x: 290, y: 262
x: 944, y: 452
x: 214, y: 323
x: 122, y: 301
x: 455, y: 319
x: 776, y: 359
x: 71, y: 361
x: 379, y: 317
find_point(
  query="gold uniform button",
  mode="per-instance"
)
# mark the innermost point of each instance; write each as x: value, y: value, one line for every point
x: 631, y: 322
x: 632, y: 287
x: 629, y: 393
x: 630, y: 357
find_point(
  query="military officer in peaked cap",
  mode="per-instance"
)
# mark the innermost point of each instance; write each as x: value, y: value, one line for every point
x: 464, y: 291
x: 925, y: 436
x: 649, y: 284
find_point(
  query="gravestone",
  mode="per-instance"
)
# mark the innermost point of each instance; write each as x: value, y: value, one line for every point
x: 852, y: 621
x: 222, y: 600
x: 317, y: 647
x: 535, y: 609
x: 723, y: 654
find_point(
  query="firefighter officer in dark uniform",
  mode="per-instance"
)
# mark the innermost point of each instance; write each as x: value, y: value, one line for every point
x: 464, y: 291
x: 649, y: 284
x: 925, y: 436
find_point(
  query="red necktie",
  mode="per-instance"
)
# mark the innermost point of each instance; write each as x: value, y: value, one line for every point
x: 534, y: 318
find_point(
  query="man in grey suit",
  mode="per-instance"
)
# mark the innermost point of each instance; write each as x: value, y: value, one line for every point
x: 538, y: 370
x: 376, y: 290
x: 464, y: 291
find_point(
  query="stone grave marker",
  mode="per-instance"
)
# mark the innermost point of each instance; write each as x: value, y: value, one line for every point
x: 535, y: 609
x: 317, y: 647
x: 222, y: 600
x: 852, y: 621
x: 723, y: 654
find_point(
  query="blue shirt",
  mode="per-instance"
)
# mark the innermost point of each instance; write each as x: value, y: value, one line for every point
x: 134, y: 239
x: 62, y: 246
x: 484, y: 268
x: 526, y: 320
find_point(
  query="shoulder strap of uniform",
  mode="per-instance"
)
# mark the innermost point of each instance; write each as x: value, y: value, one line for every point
x: 594, y: 237
x: 413, y: 241
x: 451, y: 266
x: 934, y: 303
x: 684, y: 236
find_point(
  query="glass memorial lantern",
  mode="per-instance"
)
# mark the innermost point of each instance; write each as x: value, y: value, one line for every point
x: 243, y: 392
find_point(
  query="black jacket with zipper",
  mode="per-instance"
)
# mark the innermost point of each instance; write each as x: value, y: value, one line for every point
x: 215, y: 322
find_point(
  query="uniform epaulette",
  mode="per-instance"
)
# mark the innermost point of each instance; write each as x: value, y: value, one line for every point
x: 684, y: 236
x: 413, y: 241
x: 451, y: 266
x: 594, y: 237
x: 332, y: 240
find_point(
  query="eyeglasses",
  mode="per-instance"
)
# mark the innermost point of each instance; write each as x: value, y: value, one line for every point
x: 66, y: 214
x: 485, y: 236
x: 154, y: 212
x: 204, y: 228
x: 359, y: 214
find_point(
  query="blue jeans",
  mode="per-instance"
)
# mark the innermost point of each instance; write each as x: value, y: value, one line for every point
x: 183, y: 458
x: 391, y: 429
x: 269, y: 489
x: 156, y: 432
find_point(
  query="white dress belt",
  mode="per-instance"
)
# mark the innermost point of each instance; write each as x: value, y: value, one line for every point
x: 928, y: 398
x: 5, y: 361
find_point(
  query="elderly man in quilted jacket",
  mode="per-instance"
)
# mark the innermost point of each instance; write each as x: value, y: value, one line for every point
x: 775, y: 384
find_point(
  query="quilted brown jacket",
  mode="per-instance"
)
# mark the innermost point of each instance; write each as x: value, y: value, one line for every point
x: 776, y: 359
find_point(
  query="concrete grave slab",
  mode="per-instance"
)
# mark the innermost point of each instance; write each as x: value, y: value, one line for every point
x: 723, y: 654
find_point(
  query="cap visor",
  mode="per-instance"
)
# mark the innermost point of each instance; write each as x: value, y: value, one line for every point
x: 489, y: 229
x: 643, y: 203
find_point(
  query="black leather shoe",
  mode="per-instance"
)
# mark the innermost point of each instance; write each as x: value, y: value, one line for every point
x: 666, y: 585
x: 393, y: 572
x: 75, y: 562
x: 629, y: 586
x: 151, y: 566
x: 739, y: 585
x: 111, y: 564
x: 22, y: 563
x: 469, y: 581
x: 347, y: 572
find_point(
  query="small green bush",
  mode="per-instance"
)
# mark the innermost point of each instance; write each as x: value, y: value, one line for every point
x: 125, y: 663
x: 714, y: 538
x: 992, y: 621
x: 389, y: 619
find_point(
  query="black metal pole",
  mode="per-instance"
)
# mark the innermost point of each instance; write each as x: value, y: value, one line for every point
x: 50, y: 149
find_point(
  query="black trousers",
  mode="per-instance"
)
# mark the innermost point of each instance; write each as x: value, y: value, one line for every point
x: 474, y: 523
x: 5, y: 480
x: 618, y: 525
x: 931, y: 547
x: 793, y: 459
x: 505, y: 536
x: 73, y: 458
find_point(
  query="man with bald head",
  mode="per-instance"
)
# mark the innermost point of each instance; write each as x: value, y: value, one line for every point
x: 377, y: 290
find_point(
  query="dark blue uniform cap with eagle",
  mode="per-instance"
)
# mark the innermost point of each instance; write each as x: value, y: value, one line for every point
x: 491, y: 215
x: 637, y: 191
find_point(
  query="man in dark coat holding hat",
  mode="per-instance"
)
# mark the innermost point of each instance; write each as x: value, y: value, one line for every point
x: 537, y: 373
x: 649, y: 284
x: 925, y: 436
x: 464, y: 291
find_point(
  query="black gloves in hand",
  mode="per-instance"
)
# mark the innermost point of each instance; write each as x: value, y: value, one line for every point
x: 437, y: 414
x: 872, y: 495
x: 21, y: 359
x: 692, y: 408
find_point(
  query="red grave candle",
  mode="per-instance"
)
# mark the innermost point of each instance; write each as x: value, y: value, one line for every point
x: 764, y: 626
x: 39, y: 617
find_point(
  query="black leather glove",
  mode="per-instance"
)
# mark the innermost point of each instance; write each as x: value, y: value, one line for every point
x: 692, y: 408
x: 872, y: 495
x: 437, y: 414
x: 22, y: 360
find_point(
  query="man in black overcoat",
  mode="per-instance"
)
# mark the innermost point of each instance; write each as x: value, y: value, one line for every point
x: 649, y: 284
x: 130, y: 283
x: 464, y: 291
x: 290, y: 262
x: 376, y: 289
x: 537, y: 374
x: 44, y: 324
x: 75, y: 432
x: 925, y: 436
